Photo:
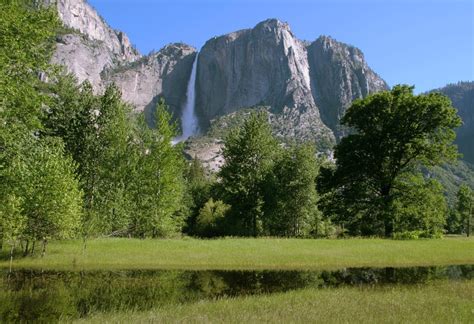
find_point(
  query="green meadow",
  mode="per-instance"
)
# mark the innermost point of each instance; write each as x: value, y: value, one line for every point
x: 246, y: 253
x: 443, y: 302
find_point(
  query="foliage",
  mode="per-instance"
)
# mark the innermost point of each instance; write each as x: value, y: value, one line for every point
x: 451, y: 176
x: 419, y: 206
x: 97, y: 132
x: 198, y: 191
x: 465, y: 208
x: 52, y: 199
x: 26, y: 36
x: 211, y: 218
x: 395, y: 131
x: 291, y: 193
x: 249, y: 153
x: 158, y: 183
x: 39, y: 195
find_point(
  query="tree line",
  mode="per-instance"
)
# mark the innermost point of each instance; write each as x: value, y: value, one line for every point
x: 74, y: 163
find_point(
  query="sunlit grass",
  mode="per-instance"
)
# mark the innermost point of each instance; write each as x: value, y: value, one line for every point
x: 442, y: 302
x: 237, y: 253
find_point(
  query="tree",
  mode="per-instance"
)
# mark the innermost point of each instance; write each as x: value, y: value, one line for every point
x: 158, y: 182
x: 249, y: 152
x: 465, y: 207
x: 394, y: 132
x: 98, y: 134
x: 38, y: 188
x: 52, y: 199
x: 211, y: 218
x: 198, y: 192
x: 292, y: 198
x: 419, y: 206
x: 27, y: 38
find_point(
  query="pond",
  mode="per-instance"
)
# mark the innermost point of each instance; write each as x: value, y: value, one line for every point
x: 48, y: 296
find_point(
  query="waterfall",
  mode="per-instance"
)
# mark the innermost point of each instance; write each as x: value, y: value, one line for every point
x: 189, y: 122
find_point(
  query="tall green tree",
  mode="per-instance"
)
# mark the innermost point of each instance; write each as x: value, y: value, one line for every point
x: 158, y: 184
x: 393, y: 132
x: 249, y: 153
x: 52, y: 200
x: 25, y: 50
x: 38, y: 187
x: 115, y: 161
x: 98, y: 133
x: 291, y: 193
x: 465, y: 207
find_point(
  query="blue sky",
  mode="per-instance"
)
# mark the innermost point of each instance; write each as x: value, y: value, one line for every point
x: 426, y: 43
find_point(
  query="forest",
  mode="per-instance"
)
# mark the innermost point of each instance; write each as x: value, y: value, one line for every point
x: 77, y: 164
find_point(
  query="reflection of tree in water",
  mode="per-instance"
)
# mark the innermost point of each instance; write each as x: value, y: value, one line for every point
x: 237, y: 283
x: 27, y: 295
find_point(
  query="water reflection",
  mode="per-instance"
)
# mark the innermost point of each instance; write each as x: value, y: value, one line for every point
x: 47, y: 296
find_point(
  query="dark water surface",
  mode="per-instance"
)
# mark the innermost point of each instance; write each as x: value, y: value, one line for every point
x: 48, y: 296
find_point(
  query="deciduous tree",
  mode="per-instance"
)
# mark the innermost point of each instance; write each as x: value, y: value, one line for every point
x: 249, y: 153
x: 393, y: 132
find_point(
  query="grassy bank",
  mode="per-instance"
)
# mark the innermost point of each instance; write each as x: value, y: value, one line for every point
x: 247, y: 254
x: 444, y: 302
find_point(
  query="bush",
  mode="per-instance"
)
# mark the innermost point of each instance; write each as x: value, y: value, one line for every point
x: 211, y: 218
x: 415, y: 235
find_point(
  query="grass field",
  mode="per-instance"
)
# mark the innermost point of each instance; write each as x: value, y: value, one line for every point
x: 264, y: 253
x: 442, y: 302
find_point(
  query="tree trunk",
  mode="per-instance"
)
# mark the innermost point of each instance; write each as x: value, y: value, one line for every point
x: 45, y: 242
x: 33, y: 247
x: 25, y: 253
x: 388, y: 224
x: 1, y: 239
x: 11, y: 256
x: 468, y: 229
x: 387, y: 217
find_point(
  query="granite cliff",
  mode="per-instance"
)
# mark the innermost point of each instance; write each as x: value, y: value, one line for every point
x: 339, y: 75
x: 90, y: 49
x: 306, y: 85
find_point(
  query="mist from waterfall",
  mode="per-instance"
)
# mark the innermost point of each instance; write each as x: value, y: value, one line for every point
x: 189, y: 121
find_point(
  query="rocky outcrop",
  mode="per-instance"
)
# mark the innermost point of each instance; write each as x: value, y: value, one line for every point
x: 339, y: 75
x: 80, y: 16
x: 162, y: 74
x: 266, y: 65
x: 88, y: 46
x: 93, y: 51
x: 83, y: 57
x: 462, y: 97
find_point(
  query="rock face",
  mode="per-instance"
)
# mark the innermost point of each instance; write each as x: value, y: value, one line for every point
x: 339, y: 74
x: 308, y: 86
x: 79, y: 15
x: 88, y: 45
x: 462, y: 96
x: 162, y: 74
x: 83, y: 57
x: 93, y: 51
x: 265, y: 65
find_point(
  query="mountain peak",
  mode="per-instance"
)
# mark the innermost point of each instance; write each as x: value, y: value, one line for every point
x: 272, y: 23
